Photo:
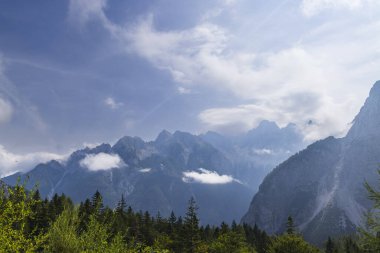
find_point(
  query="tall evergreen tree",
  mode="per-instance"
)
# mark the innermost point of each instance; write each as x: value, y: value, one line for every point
x: 121, y: 205
x: 191, y: 227
x: 97, y: 203
x: 370, y: 235
x: 330, y: 246
x: 290, y: 229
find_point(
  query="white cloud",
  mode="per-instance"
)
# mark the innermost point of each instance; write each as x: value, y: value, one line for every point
x: 295, y: 108
x: 101, y: 161
x: 313, y: 7
x: 280, y: 83
x: 6, y: 111
x: 204, y: 176
x: 183, y: 90
x: 263, y: 151
x: 112, y: 103
x: 323, y: 75
x: 11, y: 163
x: 146, y: 170
x: 81, y: 11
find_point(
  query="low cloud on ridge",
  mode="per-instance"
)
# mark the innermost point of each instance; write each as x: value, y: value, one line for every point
x: 101, y: 161
x: 204, y: 176
x: 11, y: 163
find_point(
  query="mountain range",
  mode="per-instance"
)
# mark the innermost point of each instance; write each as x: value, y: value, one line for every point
x: 322, y: 187
x: 220, y: 172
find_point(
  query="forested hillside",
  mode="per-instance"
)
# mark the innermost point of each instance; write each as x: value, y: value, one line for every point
x: 31, y: 224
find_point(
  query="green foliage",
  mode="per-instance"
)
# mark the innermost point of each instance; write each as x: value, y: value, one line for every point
x: 370, y: 235
x: 290, y: 243
x: 29, y: 224
x: 62, y: 235
x: 231, y: 241
x: 342, y: 245
x: 257, y: 238
x: 16, y: 212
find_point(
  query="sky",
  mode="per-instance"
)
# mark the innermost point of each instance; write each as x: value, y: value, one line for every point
x: 80, y: 72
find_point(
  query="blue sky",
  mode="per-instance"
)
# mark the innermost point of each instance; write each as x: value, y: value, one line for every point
x: 91, y: 71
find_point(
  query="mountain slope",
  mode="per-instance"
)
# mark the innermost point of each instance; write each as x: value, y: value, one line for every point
x: 259, y: 150
x: 322, y: 186
x: 222, y: 173
x: 152, y: 176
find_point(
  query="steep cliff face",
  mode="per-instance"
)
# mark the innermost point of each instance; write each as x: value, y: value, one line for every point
x: 322, y: 186
x: 367, y: 123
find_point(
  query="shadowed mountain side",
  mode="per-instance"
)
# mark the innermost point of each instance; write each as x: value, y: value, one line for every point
x: 322, y: 186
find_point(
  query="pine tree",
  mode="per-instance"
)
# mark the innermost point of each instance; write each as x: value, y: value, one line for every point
x: 290, y: 229
x: 97, y: 203
x: 172, y: 220
x: 329, y: 246
x: 370, y: 235
x: 224, y: 228
x: 191, y: 227
x: 234, y: 226
x: 121, y: 206
x: 121, y: 219
x: 85, y: 211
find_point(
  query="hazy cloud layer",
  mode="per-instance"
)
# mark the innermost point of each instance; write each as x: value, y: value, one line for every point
x: 81, y: 11
x: 137, y: 67
x: 204, y: 176
x: 318, y: 77
x: 314, y: 7
x: 101, y: 161
x: 5, y: 111
x: 11, y: 163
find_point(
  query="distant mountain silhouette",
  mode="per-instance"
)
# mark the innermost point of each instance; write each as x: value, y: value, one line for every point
x: 222, y: 173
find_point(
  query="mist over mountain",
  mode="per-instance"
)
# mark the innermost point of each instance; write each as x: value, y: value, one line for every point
x: 322, y: 187
x: 259, y: 150
x: 221, y: 172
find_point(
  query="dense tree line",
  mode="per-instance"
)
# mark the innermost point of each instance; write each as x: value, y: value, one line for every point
x: 31, y: 224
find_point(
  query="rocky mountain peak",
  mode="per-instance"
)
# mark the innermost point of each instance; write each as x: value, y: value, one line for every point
x: 130, y: 143
x: 268, y: 125
x: 367, y: 123
x: 163, y: 137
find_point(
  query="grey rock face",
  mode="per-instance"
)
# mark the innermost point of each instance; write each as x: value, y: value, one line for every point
x: 322, y: 187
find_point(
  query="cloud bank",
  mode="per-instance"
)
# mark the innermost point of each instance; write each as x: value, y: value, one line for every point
x: 204, y: 176
x: 11, y: 163
x: 317, y: 76
x: 314, y: 7
x: 101, y: 161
